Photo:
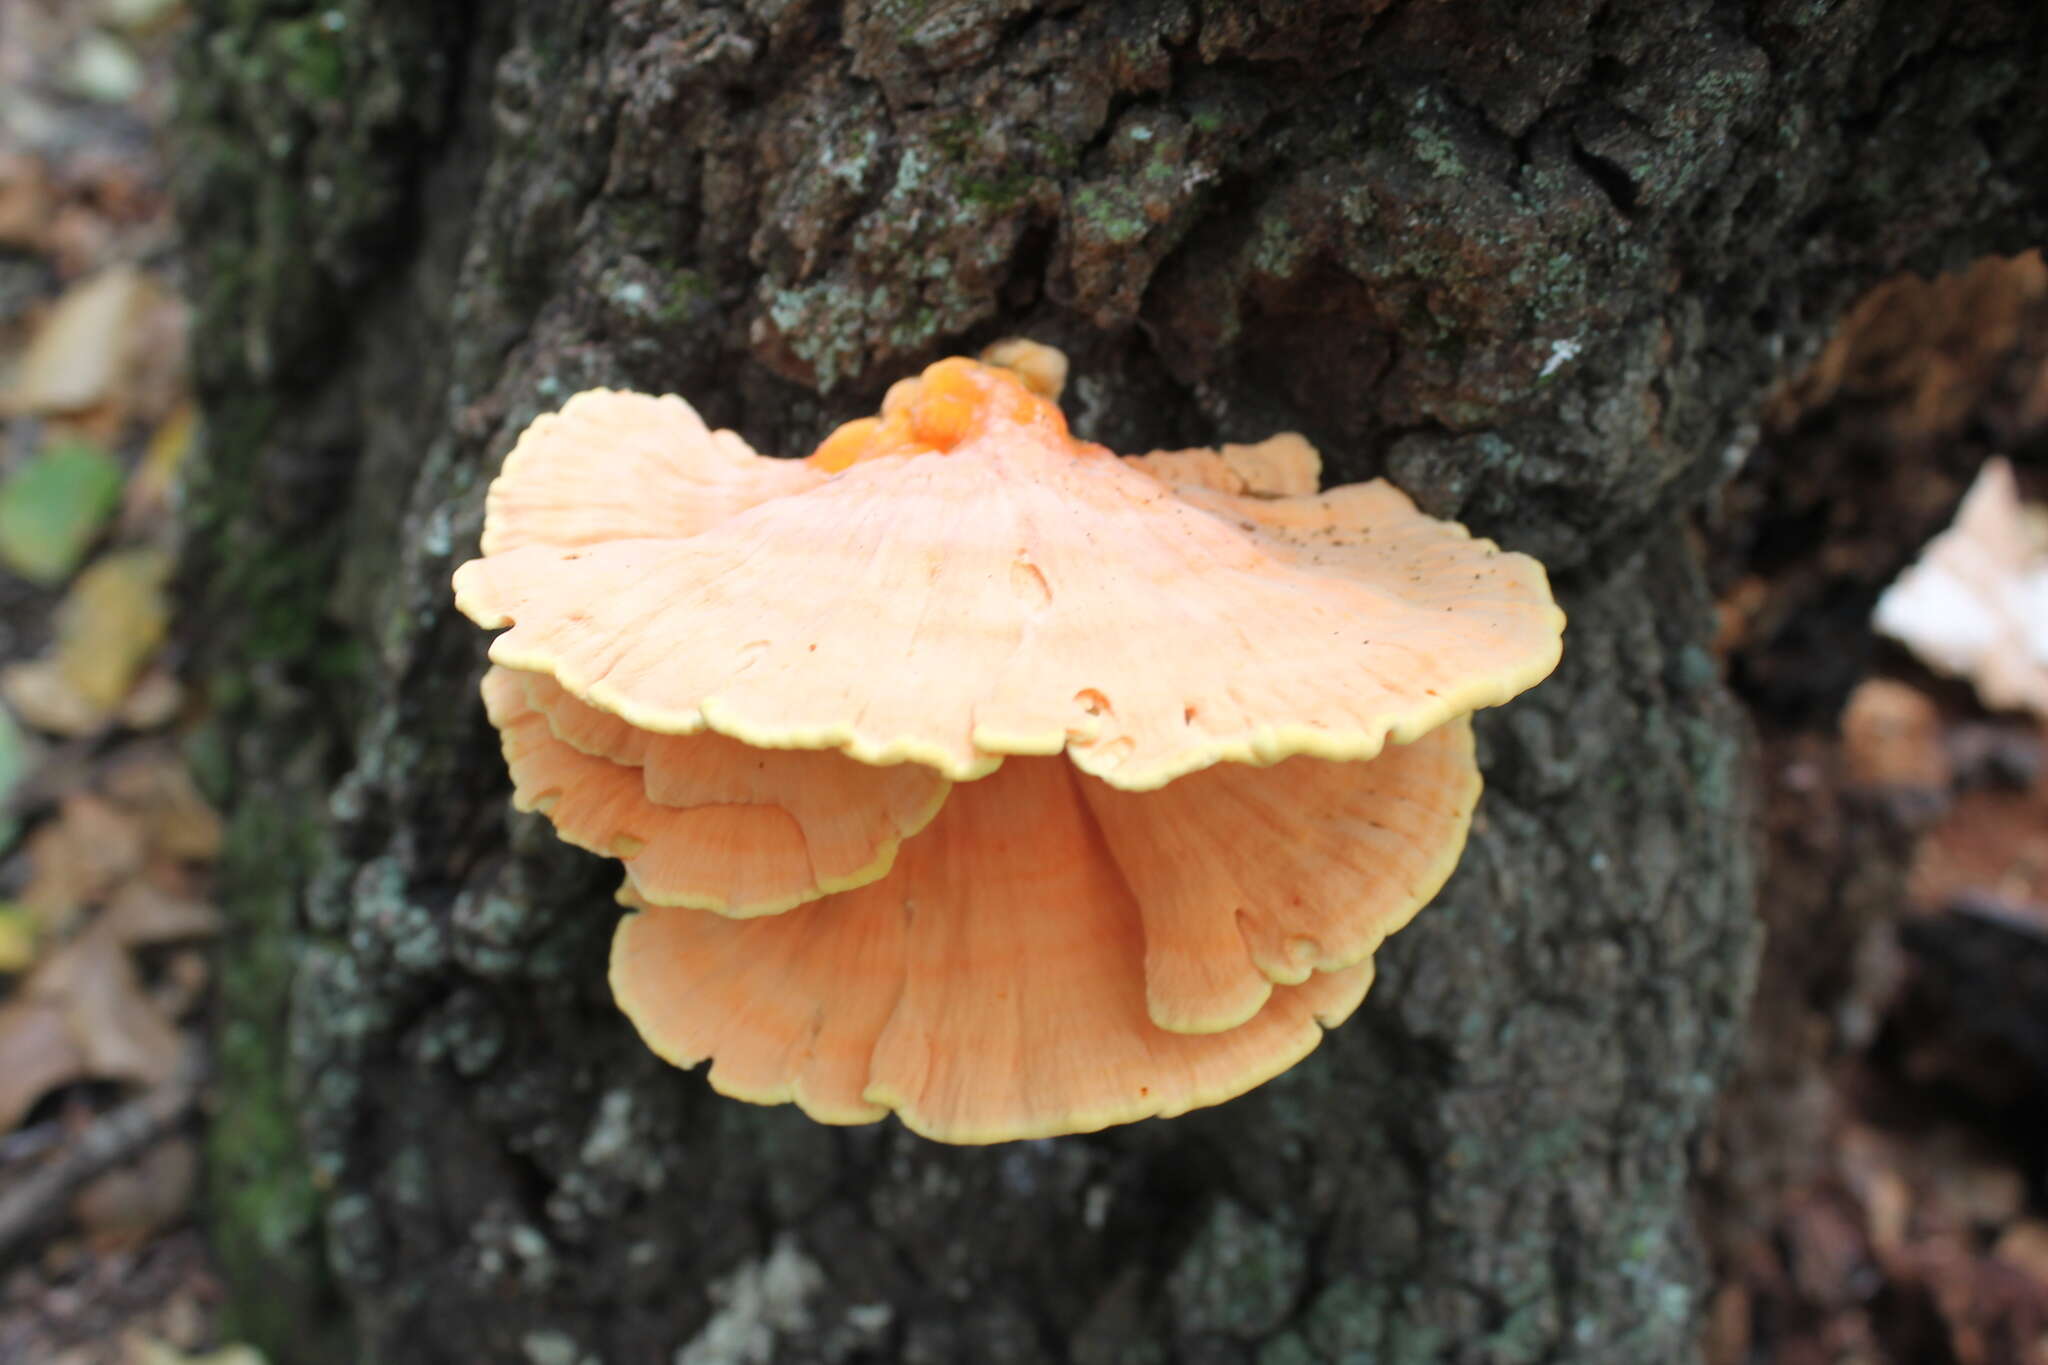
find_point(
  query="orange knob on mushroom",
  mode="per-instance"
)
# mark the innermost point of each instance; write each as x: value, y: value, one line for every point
x: 967, y: 771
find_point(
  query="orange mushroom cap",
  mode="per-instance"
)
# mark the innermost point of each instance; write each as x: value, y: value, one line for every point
x: 623, y: 466
x: 755, y: 682
x: 975, y: 583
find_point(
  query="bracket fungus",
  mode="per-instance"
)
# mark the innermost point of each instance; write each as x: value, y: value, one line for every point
x: 966, y: 770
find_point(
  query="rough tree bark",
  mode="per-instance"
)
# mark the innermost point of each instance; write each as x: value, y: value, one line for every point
x: 1537, y: 262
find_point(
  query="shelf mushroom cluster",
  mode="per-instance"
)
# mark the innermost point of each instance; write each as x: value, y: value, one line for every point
x: 966, y: 770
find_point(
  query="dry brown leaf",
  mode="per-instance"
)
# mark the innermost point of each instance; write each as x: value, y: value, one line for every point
x: 45, y: 700
x: 155, y: 701
x: 1970, y: 1188
x: 81, y: 238
x: 1975, y: 605
x: 1993, y: 843
x: 140, y: 913
x: 155, y: 382
x: 130, y: 1203
x: 78, y: 858
x: 75, y: 358
x: 158, y: 787
x: 37, y: 1055
x: 1925, y: 342
x: 1892, y: 737
x: 182, y: 986
x: 2024, y: 1246
x: 1726, y: 1337
x: 93, y: 984
x: 149, y: 487
x: 181, y: 1320
x: 27, y: 199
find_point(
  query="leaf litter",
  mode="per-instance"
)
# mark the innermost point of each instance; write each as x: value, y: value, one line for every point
x: 1906, y: 1042
x: 105, y: 841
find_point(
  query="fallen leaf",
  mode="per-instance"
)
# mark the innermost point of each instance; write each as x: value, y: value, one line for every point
x: 53, y: 505
x: 181, y: 986
x: 155, y: 701
x: 131, y: 1203
x: 1975, y: 605
x: 77, y: 354
x: 1975, y: 1189
x: 81, y: 238
x: 134, y: 14
x: 45, y: 698
x: 158, y: 376
x: 158, y: 787
x: 26, y: 199
x: 140, y: 913
x: 142, y: 1350
x: 37, y: 1055
x: 181, y: 1319
x: 1892, y: 737
x: 103, y: 68
x: 1726, y: 1335
x: 18, y: 934
x: 78, y: 858
x: 149, y: 488
x: 111, y: 622
x: 2024, y: 1246
x: 13, y: 767
x: 92, y: 983
x: 1993, y: 845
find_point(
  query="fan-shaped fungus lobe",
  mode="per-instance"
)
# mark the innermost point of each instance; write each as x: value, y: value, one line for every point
x: 1064, y: 789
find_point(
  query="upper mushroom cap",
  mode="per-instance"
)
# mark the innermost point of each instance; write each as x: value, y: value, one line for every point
x: 959, y: 580
x: 622, y: 466
x: 1279, y: 466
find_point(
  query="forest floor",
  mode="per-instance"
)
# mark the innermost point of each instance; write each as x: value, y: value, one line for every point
x: 104, y: 840
x: 1878, y: 1194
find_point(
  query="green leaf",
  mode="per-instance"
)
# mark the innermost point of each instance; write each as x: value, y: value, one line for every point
x: 53, y: 505
x: 13, y: 767
x: 17, y: 938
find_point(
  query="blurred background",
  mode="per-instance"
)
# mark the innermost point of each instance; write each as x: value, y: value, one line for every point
x: 1876, y: 1190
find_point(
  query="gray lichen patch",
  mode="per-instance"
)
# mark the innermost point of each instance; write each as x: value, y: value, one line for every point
x: 1240, y: 1275
x: 755, y: 1307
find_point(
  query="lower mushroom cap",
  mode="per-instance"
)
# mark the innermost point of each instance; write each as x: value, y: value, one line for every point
x: 702, y: 820
x: 991, y: 987
x: 1247, y: 877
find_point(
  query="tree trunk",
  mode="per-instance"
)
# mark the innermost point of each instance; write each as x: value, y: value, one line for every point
x: 1537, y: 263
